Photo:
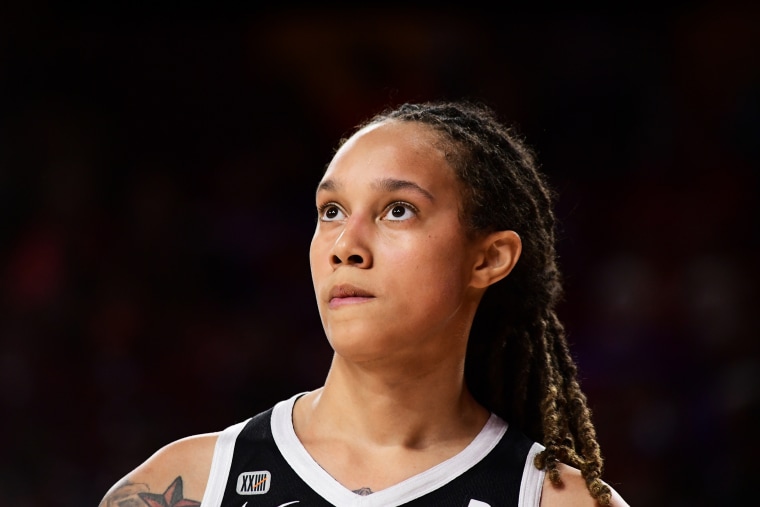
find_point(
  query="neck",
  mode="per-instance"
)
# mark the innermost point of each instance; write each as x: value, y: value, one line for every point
x: 409, y: 406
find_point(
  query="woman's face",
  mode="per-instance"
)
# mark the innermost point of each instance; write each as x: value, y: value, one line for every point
x: 390, y: 260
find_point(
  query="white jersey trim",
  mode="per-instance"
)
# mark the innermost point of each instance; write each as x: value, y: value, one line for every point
x: 414, y: 487
x: 532, y: 479
x: 221, y: 464
x: 331, y: 490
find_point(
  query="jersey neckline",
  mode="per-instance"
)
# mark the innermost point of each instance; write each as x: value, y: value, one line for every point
x: 409, y: 489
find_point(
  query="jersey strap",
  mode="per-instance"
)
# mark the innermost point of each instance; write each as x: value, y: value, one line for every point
x: 220, y: 465
x: 261, y: 462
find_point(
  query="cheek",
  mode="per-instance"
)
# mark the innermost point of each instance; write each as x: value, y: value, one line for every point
x: 318, y: 261
x: 434, y: 269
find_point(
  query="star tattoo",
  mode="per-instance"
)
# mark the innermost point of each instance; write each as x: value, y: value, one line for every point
x: 172, y: 497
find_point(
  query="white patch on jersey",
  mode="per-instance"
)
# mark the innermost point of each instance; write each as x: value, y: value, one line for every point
x: 477, y: 503
x: 253, y: 483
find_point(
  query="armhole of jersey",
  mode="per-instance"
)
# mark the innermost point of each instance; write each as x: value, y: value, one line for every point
x: 220, y: 465
x: 532, y: 480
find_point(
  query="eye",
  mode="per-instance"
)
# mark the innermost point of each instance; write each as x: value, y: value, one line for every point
x: 330, y: 212
x: 399, y: 211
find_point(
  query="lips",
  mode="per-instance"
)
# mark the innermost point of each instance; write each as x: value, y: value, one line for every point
x: 348, y: 291
x: 346, y: 295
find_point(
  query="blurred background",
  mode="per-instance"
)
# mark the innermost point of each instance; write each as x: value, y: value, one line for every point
x: 157, y: 170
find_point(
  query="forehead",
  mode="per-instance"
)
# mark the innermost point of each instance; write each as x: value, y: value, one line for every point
x: 392, y: 148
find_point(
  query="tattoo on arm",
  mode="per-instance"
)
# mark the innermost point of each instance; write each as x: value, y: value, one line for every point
x: 139, y: 495
x: 363, y: 491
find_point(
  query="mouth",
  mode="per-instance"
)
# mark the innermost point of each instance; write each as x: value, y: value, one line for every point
x: 348, y: 294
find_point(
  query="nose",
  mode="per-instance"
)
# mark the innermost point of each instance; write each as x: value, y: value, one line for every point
x: 351, y: 248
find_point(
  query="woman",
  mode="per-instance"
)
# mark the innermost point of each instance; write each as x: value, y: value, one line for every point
x: 433, y: 263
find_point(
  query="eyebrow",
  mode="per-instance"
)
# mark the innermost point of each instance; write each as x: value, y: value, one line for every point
x: 384, y: 184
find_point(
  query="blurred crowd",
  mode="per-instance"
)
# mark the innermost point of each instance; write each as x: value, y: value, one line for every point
x: 157, y: 175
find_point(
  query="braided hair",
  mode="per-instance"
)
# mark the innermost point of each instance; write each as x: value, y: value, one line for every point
x: 518, y: 364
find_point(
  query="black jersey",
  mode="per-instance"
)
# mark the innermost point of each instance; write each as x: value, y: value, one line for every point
x: 261, y: 462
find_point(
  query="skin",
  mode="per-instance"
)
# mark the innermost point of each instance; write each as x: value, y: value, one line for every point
x: 389, y: 229
x: 397, y: 282
x: 188, y: 459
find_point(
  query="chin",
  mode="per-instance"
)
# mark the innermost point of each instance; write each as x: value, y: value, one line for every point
x: 360, y: 347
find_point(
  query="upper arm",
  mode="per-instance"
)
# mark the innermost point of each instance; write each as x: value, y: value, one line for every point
x: 179, y: 470
x: 573, y: 491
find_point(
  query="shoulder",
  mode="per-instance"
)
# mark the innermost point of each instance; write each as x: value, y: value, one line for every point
x: 179, y: 469
x: 573, y: 491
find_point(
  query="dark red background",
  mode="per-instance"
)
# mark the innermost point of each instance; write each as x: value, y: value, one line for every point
x: 157, y: 170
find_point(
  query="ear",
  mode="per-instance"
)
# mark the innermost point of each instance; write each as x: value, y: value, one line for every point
x: 497, y: 256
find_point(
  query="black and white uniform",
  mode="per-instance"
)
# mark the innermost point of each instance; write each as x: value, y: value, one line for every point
x: 261, y: 462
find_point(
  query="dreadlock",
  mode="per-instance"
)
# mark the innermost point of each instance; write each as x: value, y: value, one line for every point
x: 518, y: 364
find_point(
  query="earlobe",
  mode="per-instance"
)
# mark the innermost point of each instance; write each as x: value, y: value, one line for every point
x: 498, y: 255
